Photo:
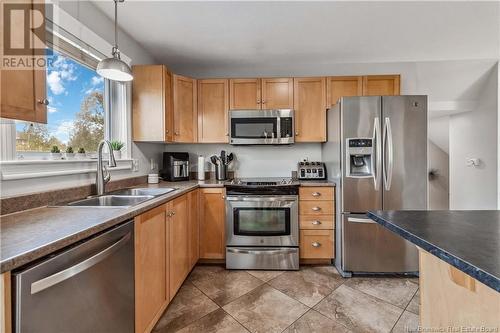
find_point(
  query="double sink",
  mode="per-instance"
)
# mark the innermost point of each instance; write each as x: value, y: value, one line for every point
x: 122, y: 198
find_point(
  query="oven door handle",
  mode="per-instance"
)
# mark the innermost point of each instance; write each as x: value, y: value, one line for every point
x: 261, y: 198
x: 262, y: 251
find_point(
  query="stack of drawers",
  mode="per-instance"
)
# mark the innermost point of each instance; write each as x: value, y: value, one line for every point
x: 316, y: 220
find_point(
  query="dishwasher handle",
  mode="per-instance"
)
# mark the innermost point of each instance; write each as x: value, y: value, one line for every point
x: 59, y: 277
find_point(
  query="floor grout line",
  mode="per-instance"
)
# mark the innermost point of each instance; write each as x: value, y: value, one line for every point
x: 416, y: 291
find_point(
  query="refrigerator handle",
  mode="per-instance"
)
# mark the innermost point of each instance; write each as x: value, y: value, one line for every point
x: 389, y: 153
x: 378, y: 150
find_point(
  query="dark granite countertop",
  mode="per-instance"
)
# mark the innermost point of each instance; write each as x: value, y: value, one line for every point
x: 31, y: 234
x: 467, y: 240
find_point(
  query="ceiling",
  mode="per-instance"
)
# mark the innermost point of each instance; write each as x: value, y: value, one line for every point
x: 192, y: 36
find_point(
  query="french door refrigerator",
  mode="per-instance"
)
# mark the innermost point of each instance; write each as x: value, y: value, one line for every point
x: 376, y: 153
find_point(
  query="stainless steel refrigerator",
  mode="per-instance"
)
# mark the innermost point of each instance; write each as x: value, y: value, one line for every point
x: 377, y: 154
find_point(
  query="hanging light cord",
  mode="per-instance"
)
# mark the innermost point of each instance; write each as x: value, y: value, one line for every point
x: 116, y: 52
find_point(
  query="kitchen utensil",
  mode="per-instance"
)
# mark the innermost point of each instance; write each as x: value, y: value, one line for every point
x: 223, y: 156
x: 229, y: 158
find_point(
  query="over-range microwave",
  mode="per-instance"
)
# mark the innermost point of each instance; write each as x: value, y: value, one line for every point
x: 261, y: 127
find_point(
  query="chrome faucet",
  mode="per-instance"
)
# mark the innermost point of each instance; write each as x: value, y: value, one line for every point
x: 103, y: 175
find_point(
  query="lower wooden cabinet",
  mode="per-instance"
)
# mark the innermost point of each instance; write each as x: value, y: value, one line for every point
x: 316, y: 244
x: 178, y: 226
x: 151, y: 260
x: 194, y: 227
x: 212, y: 217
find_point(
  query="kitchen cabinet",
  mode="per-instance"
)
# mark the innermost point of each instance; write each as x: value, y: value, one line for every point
x: 213, y: 107
x: 244, y: 94
x: 277, y: 93
x: 309, y: 103
x: 185, y: 110
x: 381, y: 85
x: 24, y: 92
x: 212, y: 219
x: 194, y: 228
x: 316, y: 244
x: 152, y: 104
x: 256, y: 94
x: 178, y: 226
x: 151, y: 263
x: 340, y: 86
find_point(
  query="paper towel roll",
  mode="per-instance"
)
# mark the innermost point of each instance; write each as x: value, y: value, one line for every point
x: 201, y: 167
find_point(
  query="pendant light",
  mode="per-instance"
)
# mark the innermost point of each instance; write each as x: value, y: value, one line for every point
x: 114, y: 68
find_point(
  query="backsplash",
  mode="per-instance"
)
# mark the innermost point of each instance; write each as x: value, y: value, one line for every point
x: 253, y: 161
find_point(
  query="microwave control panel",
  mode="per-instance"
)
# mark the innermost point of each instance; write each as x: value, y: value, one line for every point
x: 311, y: 170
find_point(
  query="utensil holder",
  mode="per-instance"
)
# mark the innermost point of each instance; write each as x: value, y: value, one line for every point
x: 221, y: 172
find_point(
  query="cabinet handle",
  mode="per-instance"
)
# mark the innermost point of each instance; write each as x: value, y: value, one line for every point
x: 176, y: 133
x: 296, y: 133
x: 316, y: 222
x: 263, y: 102
x: 316, y: 244
x: 44, y: 101
x: 316, y: 194
x: 316, y: 209
x: 258, y: 102
x: 173, y: 213
x: 166, y: 131
x: 227, y: 134
x: 169, y: 214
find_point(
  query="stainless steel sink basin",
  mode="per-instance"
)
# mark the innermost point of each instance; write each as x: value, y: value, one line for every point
x: 145, y: 191
x: 112, y: 200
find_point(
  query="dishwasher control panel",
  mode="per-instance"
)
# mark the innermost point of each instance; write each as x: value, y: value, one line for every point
x: 311, y: 170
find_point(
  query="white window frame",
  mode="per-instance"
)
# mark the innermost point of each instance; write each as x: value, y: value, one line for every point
x: 12, y: 168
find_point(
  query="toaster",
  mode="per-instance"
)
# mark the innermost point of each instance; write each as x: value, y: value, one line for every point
x: 311, y: 170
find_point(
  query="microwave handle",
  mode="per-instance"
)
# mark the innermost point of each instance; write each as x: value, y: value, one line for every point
x: 278, y: 128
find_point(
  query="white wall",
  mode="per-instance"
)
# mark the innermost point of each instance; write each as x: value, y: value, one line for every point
x: 254, y: 161
x: 439, y: 194
x: 474, y: 135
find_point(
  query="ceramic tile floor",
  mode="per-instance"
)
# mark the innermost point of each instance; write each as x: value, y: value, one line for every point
x: 314, y: 299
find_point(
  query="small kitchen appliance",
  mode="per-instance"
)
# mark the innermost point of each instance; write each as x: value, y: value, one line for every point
x: 311, y: 170
x: 175, y: 166
x: 262, y: 127
x: 262, y: 225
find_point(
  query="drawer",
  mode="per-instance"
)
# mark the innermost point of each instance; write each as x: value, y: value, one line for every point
x: 316, y: 208
x: 316, y: 244
x: 316, y: 222
x: 316, y: 193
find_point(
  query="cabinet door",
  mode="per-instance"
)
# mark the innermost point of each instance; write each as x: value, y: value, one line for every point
x: 151, y: 280
x: 194, y: 228
x: 179, y: 242
x: 244, y: 94
x: 340, y: 86
x: 212, y: 221
x: 310, y: 109
x: 380, y: 85
x: 23, y: 93
x: 277, y: 93
x: 185, y: 115
x: 151, y: 103
x: 213, y: 106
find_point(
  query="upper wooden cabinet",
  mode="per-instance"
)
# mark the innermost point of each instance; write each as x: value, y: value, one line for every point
x: 380, y: 85
x: 213, y: 107
x: 152, y: 103
x: 23, y: 92
x: 310, y: 109
x: 277, y: 93
x: 151, y: 258
x: 185, y: 114
x: 340, y: 86
x: 212, y: 219
x: 244, y: 94
x: 268, y: 93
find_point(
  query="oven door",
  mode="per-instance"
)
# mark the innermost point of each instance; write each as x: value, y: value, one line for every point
x: 256, y: 220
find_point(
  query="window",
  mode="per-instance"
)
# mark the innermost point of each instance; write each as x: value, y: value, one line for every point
x: 75, y: 116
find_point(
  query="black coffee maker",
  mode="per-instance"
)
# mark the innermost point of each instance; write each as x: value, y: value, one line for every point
x: 175, y: 167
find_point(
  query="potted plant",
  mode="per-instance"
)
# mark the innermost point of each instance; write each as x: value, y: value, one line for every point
x: 55, y: 153
x: 70, y: 154
x: 117, y: 146
x: 81, y: 153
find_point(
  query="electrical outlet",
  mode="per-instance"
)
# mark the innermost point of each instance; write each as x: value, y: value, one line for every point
x: 135, y: 165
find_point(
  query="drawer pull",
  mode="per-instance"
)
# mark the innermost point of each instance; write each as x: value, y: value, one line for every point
x: 316, y: 222
x: 316, y: 194
x: 316, y: 244
x: 316, y: 209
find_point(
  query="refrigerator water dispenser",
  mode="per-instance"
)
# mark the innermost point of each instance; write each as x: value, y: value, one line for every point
x: 359, y: 158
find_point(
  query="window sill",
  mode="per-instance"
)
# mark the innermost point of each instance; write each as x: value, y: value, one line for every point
x: 28, y: 169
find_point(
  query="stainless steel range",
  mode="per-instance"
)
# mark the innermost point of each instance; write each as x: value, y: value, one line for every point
x: 262, y: 225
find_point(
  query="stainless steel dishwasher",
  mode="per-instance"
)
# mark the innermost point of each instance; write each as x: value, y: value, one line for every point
x: 88, y: 287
